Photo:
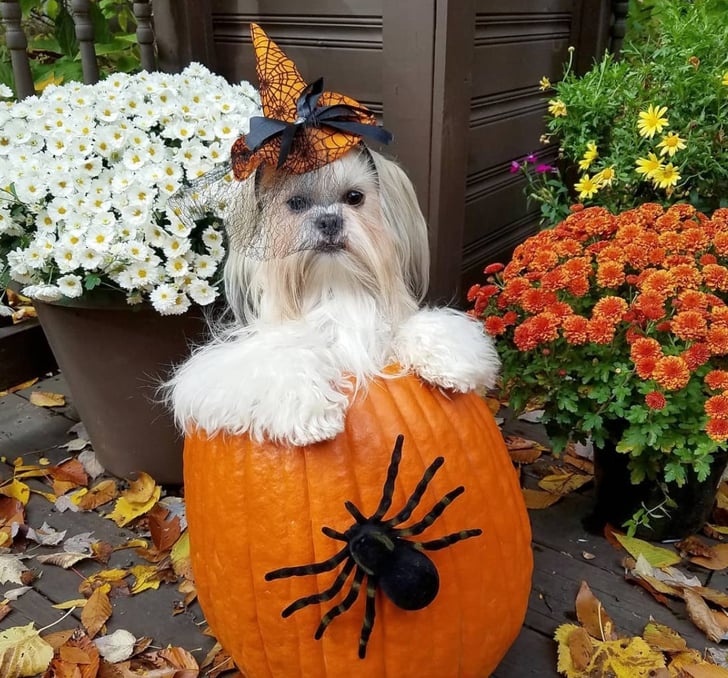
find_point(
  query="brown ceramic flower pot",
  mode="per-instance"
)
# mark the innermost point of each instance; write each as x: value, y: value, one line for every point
x: 113, y: 358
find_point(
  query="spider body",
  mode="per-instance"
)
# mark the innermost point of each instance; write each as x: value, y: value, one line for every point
x: 377, y: 550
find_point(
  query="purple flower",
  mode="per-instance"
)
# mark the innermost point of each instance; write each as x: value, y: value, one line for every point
x: 515, y: 167
x: 542, y: 169
x: 531, y: 157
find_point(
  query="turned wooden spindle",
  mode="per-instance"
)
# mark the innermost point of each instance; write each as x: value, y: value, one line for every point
x: 18, y: 45
x: 145, y: 34
x: 620, y: 9
x: 85, y: 35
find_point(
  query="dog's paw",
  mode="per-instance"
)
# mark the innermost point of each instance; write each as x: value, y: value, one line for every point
x: 273, y: 386
x: 448, y: 349
x: 299, y: 413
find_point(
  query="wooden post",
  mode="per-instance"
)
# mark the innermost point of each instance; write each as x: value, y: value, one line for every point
x: 85, y: 35
x: 18, y: 45
x: 145, y: 34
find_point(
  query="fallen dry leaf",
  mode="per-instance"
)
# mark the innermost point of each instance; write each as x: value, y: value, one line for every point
x: 47, y: 399
x: 63, y: 559
x: 654, y: 555
x: 23, y: 652
x: 563, y: 483
x: 593, y: 617
x: 537, y: 499
x: 17, y: 490
x: 164, y: 528
x: 663, y: 638
x: 11, y: 569
x: 78, y: 657
x: 716, y: 560
x: 97, y: 610
x: 138, y: 499
x: 101, y: 493
x: 702, y: 616
x: 117, y: 646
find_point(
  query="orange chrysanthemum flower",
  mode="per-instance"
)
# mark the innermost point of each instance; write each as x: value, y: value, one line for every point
x: 610, y: 274
x: 575, y: 329
x: 644, y: 367
x: 717, y: 338
x: 717, y: 380
x: 660, y: 282
x: 610, y: 308
x: 689, y: 325
x: 494, y: 325
x: 655, y: 400
x: 686, y: 276
x: 601, y: 330
x: 645, y: 347
x: 717, y: 429
x: 671, y: 372
x: 490, y: 269
x: 695, y: 356
x: 720, y: 242
x: 692, y: 300
x: 716, y: 407
x: 719, y: 316
x: 716, y: 277
x: 650, y: 304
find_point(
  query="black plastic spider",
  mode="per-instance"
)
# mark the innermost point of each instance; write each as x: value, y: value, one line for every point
x: 375, y: 549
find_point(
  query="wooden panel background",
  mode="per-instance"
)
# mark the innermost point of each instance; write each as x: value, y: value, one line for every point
x: 456, y: 81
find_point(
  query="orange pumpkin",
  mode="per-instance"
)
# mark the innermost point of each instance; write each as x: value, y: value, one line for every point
x: 255, y: 508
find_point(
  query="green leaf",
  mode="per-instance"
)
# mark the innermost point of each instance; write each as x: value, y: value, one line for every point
x: 654, y: 555
x: 91, y: 280
x: 102, y: 33
x: 65, y: 33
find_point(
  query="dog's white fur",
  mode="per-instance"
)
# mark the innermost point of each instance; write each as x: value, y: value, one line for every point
x: 316, y: 325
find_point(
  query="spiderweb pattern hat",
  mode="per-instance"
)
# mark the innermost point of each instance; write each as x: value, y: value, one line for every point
x: 304, y: 127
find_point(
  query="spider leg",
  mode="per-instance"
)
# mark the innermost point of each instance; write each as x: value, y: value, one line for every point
x: 330, y: 532
x: 322, y: 597
x: 355, y: 512
x: 344, y: 605
x: 416, y: 496
x: 447, y: 540
x: 392, y: 471
x: 432, y: 516
x: 369, y: 612
x: 313, y: 568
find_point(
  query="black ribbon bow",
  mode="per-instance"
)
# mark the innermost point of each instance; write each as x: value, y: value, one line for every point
x: 309, y: 114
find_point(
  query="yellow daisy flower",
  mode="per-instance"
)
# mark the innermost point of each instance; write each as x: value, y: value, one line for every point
x: 667, y: 176
x: 652, y: 120
x: 587, y: 186
x: 557, y: 108
x: 649, y: 165
x: 605, y: 177
x: 544, y: 84
x: 725, y: 79
x: 590, y: 155
x: 671, y: 143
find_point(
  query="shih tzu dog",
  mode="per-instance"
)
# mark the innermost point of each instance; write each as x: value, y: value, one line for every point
x: 326, y: 271
x: 332, y: 301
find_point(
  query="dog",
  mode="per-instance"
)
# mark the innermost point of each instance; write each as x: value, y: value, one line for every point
x: 325, y: 277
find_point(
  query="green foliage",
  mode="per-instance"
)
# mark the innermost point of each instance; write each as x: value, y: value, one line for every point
x: 53, y: 49
x: 674, y: 58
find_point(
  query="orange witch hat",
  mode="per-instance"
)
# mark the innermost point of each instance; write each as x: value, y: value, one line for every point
x: 303, y: 127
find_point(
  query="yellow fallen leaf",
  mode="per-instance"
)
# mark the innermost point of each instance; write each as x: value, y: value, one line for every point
x: 101, y: 493
x: 70, y: 604
x: 563, y: 483
x: 17, y: 490
x: 23, y: 652
x: 624, y: 658
x: 125, y: 510
x: 704, y: 670
x: 47, y: 399
x: 140, y: 490
x: 180, y: 556
x: 146, y: 578
x: 654, y: 555
x: 537, y: 499
x: 663, y: 638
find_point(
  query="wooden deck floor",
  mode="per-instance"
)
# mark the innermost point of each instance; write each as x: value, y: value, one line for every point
x: 559, y: 543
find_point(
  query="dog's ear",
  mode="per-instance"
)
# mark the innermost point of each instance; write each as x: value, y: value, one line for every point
x: 402, y: 215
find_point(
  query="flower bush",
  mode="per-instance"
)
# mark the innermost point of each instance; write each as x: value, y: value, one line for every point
x: 86, y: 174
x: 651, y: 126
x: 617, y: 326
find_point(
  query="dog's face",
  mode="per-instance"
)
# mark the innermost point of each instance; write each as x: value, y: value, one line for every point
x: 296, y: 240
x: 327, y: 211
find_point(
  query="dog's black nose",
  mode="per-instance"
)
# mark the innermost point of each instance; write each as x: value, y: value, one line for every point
x: 329, y: 224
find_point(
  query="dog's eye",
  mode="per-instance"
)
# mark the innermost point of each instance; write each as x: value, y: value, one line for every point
x: 297, y: 203
x: 354, y: 198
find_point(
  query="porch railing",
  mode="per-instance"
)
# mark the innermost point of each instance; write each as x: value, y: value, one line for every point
x: 17, y: 42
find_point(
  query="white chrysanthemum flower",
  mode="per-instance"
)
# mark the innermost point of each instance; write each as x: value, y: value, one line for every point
x: 99, y: 237
x: 204, y: 265
x: 90, y: 259
x: 18, y: 132
x: 59, y: 209
x: 177, y: 226
x: 70, y: 286
x: 135, y: 214
x: 30, y: 188
x: 181, y: 304
x: 211, y: 237
x: 156, y: 235
x: 201, y: 292
x: 36, y: 256
x: 73, y: 238
x: 177, y: 267
x: 224, y: 130
x: 164, y: 298
x: 143, y: 274
x: 176, y: 246
x: 217, y: 252
x: 66, y: 258
x: 43, y: 292
x: 56, y: 144
x: 136, y: 250
x: 6, y: 92
x: 61, y: 185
